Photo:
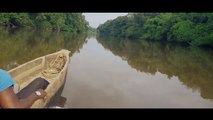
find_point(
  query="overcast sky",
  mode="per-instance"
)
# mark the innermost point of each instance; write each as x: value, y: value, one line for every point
x: 96, y: 19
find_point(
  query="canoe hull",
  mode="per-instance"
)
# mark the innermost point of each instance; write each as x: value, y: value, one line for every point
x: 26, y: 73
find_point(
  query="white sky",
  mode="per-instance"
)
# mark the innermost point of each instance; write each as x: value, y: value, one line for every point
x: 96, y: 19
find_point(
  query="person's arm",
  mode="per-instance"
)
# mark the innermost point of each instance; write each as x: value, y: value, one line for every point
x: 8, y: 99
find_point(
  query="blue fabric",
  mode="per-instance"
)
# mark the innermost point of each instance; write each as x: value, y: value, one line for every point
x: 5, y: 80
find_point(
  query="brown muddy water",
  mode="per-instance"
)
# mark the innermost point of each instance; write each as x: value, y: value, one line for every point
x: 108, y: 73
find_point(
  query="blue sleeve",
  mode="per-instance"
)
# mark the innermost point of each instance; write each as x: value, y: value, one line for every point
x: 5, y: 80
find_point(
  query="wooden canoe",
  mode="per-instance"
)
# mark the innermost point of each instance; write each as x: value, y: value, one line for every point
x: 39, y: 67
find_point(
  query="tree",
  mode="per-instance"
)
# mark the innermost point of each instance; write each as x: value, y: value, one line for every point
x: 195, y: 29
x: 73, y: 22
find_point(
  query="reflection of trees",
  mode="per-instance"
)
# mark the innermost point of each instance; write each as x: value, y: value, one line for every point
x: 20, y: 46
x: 194, y: 67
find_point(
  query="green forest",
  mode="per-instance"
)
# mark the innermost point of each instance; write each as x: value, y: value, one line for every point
x: 194, y: 29
x: 72, y: 22
x: 91, y: 31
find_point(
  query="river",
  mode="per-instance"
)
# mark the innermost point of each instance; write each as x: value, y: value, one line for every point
x: 110, y: 73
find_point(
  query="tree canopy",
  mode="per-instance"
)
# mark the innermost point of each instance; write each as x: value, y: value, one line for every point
x: 74, y: 22
x: 195, y: 29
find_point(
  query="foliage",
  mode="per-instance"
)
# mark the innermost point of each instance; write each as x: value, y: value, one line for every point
x: 91, y: 31
x: 195, y: 29
x: 74, y: 22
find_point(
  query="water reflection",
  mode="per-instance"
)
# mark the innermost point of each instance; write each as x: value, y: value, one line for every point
x: 21, y: 45
x: 57, y: 101
x: 98, y: 78
x: 193, y: 67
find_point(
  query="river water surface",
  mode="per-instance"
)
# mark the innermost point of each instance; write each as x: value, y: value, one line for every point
x: 107, y: 73
x: 98, y: 77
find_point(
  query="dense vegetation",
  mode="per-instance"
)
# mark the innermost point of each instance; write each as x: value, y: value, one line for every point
x: 91, y: 31
x: 195, y: 29
x: 73, y: 22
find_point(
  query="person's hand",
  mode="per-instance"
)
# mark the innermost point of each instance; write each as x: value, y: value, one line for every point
x: 43, y: 94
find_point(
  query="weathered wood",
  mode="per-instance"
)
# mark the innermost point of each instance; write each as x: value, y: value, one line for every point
x: 27, y: 72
